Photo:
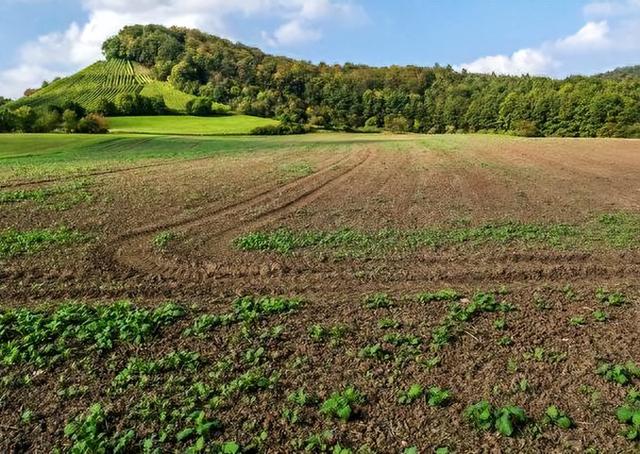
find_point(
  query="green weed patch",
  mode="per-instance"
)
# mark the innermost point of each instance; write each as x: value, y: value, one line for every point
x: 14, y: 242
x: 619, y: 231
x: 44, y: 338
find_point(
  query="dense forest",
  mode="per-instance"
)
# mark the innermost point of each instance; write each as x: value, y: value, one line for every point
x: 358, y: 97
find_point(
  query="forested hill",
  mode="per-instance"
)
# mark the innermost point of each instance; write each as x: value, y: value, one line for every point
x: 624, y: 72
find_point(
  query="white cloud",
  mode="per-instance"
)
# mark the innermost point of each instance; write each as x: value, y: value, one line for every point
x: 300, y: 21
x: 594, y: 35
x: 524, y: 61
x: 611, y: 8
x: 598, y: 46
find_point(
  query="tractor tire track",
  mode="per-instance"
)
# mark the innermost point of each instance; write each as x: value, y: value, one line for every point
x: 133, y: 250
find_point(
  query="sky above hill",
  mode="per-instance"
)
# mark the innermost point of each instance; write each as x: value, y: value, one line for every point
x: 41, y: 39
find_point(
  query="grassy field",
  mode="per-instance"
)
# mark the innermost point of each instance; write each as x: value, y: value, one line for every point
x: 227, y: 125
x: 322, y: 293
x: 175, y: 100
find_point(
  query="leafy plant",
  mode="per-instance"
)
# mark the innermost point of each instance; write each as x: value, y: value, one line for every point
x: 162, y: 239
x: 302, y: 398
x: 619, y: 373
x: 611, y: 298
x: 89, y: 433
x: 441, y: 295
x: 438, y: 397
x: 14, y: 242
x: 509, y: 419
x: 600, y: 316
x: 341, y: 404
x: 505, y: 420
x: 200, y: 427
x: 557, y: 418
x: 43, y: 338
x: 412, y: 394
x: 629, y: 415
x: 387, y: 323
x: 577, y: 321
x: 378, y: 301
x: 375, y: 351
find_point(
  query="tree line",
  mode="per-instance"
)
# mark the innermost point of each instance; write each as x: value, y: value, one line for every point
x: 71, y: 118
x: 358, y: 97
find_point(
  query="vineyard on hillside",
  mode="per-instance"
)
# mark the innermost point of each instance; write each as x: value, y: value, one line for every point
x: 105, y: 80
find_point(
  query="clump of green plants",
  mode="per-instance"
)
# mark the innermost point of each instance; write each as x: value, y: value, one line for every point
x: 200, y: 428
x: 341, y: 404
x: 378, y: 301
x: 459, y: 314
x: 204, y: 324
x: 387, y: 323
x: 438, y: 397
x: 162, y: 239
x: 14, y: 242
x: 248, y: 309
x: 319, y: 333
x: 542, y: 355
x: 44, y: 338
x: 89, y: 433
x: 402, y: 339
x: 140, y: 372
x: 505, y: 420
x: 600, y: 316
x: 577, y: 321
x: 558, y: 418
x: 629, y: 415
x: 415, y: 392
x: 375, y: 351
x: 441, y: 295
x: 619, y: 373
x: 302, y: 398
x: 611, y: 298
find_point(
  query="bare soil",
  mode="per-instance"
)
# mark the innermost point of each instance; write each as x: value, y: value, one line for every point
x: 404, y: 184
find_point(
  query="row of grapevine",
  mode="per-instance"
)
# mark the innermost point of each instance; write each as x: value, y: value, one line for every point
x: 105, y: 79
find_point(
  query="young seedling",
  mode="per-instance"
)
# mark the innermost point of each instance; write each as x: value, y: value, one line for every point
x: 577, y: 321
x: 506, y: 420
x: 510, y: 419
x: 378, y: 301
x: 505, y: 341
x: 557, y: 418
x: 442, y: 295
x: 387, y: 323
x: 162, y: 240
x: 340, y: 405
x: 611, y: 298
x: 412, y: 394
x: 629, y: 415
x: 500, y: 323
x: 438, y: 397
x: 374, y: 352
x: 619, y: 373
x: 600, y: 316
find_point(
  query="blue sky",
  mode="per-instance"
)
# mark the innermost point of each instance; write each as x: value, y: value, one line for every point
x: 40, y: 39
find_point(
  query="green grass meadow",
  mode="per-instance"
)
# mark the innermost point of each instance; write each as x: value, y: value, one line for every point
x: 185, y: 125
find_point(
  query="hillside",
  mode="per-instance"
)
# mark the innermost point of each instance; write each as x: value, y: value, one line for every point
x: 180, y: 64
x: 623, y: 72
x: 410, y: 98
x: 105, y: 80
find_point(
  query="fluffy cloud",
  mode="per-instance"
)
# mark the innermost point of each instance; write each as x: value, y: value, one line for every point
x: 297, y: 22
x: 612, y: 30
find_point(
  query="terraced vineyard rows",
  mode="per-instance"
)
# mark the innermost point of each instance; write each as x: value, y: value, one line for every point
x: 105, y: 79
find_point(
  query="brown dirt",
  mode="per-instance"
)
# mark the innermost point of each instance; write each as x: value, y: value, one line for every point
x: 402, y: 184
